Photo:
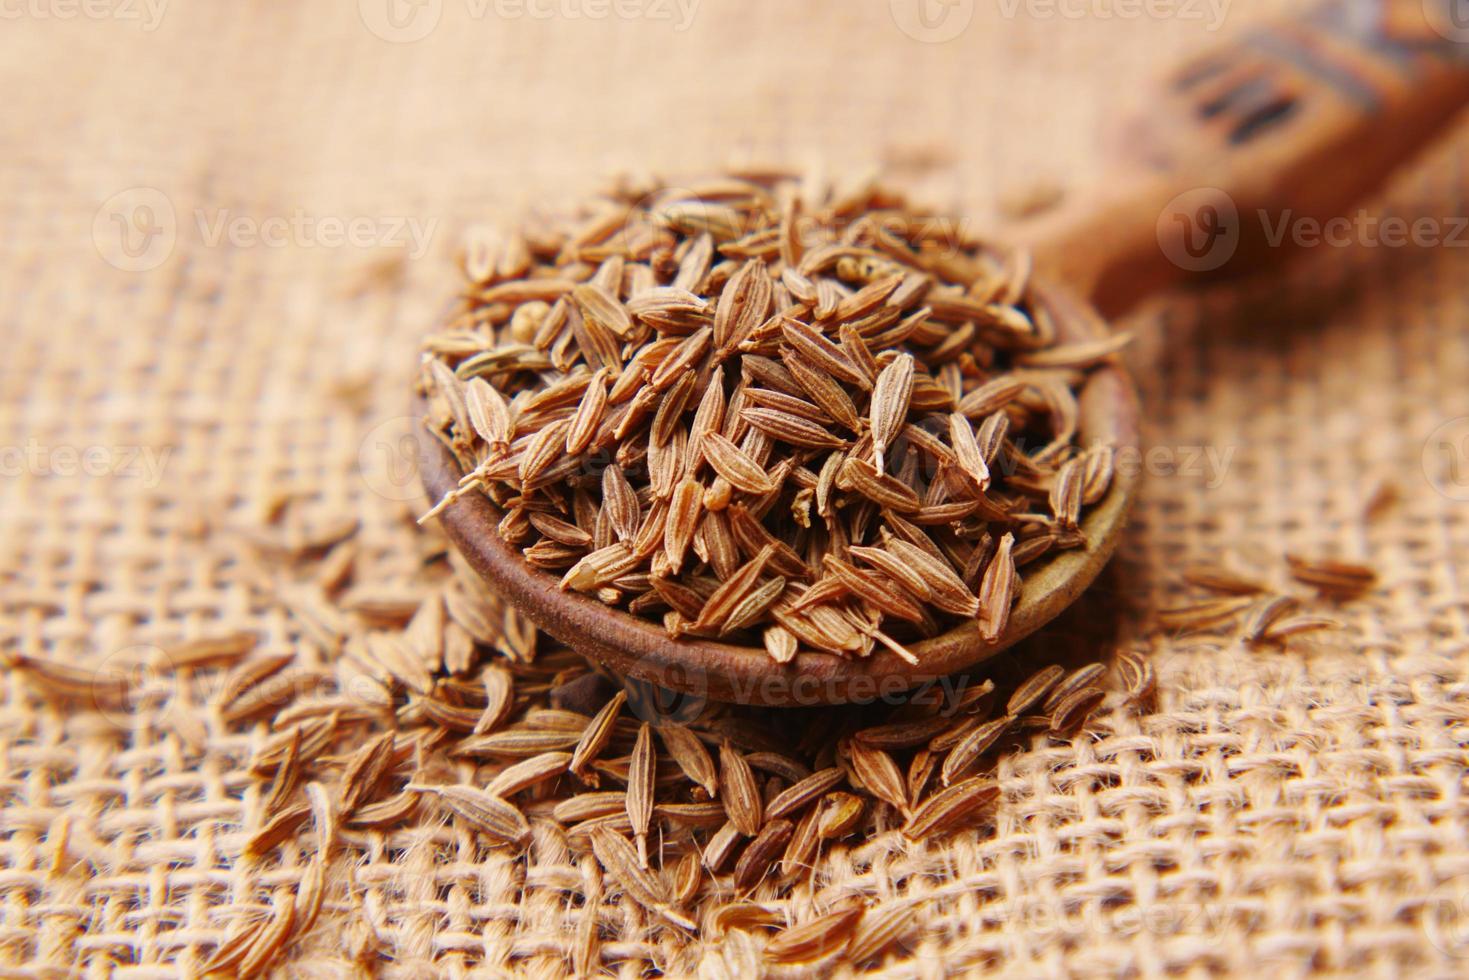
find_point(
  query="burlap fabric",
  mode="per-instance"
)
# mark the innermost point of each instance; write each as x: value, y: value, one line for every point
x: 177, y: 368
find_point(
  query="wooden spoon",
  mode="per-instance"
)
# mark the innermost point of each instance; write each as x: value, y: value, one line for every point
x: 1297, y: 121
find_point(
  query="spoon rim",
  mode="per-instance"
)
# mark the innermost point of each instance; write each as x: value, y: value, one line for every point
x: 638, y: 648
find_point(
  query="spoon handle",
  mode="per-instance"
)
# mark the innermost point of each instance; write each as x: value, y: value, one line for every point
x: 1248, y: 150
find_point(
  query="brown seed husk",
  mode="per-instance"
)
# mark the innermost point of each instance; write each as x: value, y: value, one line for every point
x: 640, y: 789
x: 1137, y: 675
x: 739, y: 791
x: 721, y: 847
x: 879, y: 774
x: 1338, y: 579
x: 838, y: 815
x: 816, y: 939
x: 761, y: 854
x: 620, y: 860
x: 1081, y: 677
x: 595, y: 738
x: 1074, y: 710
x: 527, y: 773
x: 967, y: 752
x: 1266, y: 614
x: 1205, y: 613
x: 482, y: 811
x: 879, y: 929
x: 795, y: 798
x: 947, y: 808
x: 801, y: 849
x: 686, y: 749
x: 1035, y: 687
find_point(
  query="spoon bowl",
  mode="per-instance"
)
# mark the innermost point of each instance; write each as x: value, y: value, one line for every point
x: 638, y: 648
x: 1299, y: 119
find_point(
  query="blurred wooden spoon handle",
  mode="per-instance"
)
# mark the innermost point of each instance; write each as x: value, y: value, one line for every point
x: 1289, y: 123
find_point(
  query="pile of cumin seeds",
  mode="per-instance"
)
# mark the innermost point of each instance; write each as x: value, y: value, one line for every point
x: 737, y: 804
x: 412, y: 699
x: 759, y: 409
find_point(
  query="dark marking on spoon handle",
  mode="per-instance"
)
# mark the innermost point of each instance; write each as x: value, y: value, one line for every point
x: 1298, y: 120
x: 1348, y: 49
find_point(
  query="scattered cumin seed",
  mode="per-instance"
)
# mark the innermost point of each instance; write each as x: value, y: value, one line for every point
x: 949, y: 807
x: 1035, y: 687
x: 1074, y: 710
x: 1204, y: 613
x: 527, y: 773
x: 687, y: 877
x: 1337, y: 579
x: 482, y: 811
x: 640, y: 789
x: 277, y: 829
x: 740, y: 793
x: 816, y: 939
x: 594, y: 738
x: 1220, y: 578
x: 640, y: 884
x: 838, y: 815
x: 720, y: 849
x: 1282, y: 629
x: 969, y: 749
x: 878, y: 773
x: 1265, y: 614
x: 589, y: 806
x: 879, y: 929
x: 799, y: 795
x: 1086, y: 676
x: 364, y: 770
x: 761, y: 854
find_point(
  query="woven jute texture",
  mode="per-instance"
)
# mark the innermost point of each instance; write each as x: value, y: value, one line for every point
x: 199, y: 374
